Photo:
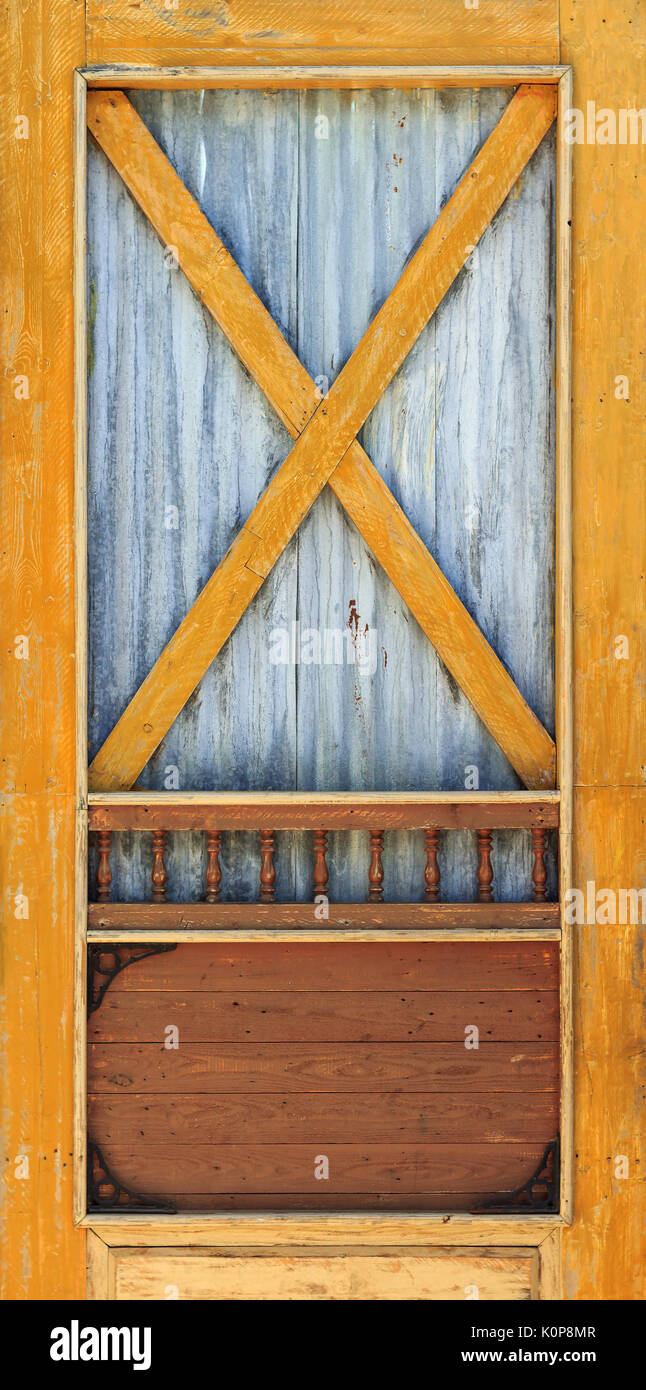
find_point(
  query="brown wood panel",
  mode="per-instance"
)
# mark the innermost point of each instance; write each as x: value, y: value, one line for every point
x: 348, y: 1016
x: 218, y: 1067
x: 335, y: 812
x: 330, y: 1201
x: 160, y: 917
x: 330, y: 31
x: 436, y: 1168
x: 514, y: 965
x: 443, y: 1117
x: 367, y: 1070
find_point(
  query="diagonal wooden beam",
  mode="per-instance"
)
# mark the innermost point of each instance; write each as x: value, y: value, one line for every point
x: 325, y: 449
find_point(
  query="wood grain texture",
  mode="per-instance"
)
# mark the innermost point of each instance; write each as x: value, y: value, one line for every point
x: 608, y: 467
x: 287, y: 32
x: 98, y: 1258
x: 343, y: 811
x: 314, y: 1231
x: 391, y: 1275
x: 600, y: 1253
x: 331, y: 1017
x: 229, y: 1067
x: 36, y: 969
x: 603, y: 1250
x: 409, y: 1118
x: 41, y: 1254
x: 366, y: 1073
x: 448, y: 1170
x: 317, y: 77
x: 320, y: 447
x: 497, y: 966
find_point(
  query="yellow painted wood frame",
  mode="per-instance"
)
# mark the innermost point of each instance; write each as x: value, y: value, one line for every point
x: 113, y: 121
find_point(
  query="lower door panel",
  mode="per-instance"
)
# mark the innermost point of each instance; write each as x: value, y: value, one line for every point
x: 325, y: 1274
x: 341, y: 1077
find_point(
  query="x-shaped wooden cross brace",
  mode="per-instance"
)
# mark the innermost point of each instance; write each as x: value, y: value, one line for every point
x: 326, y: 449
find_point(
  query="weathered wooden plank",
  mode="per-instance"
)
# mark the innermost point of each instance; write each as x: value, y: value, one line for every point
x: 98, y: 1257
x: 263, y: 1231
x: 348, y: 1276
x: 308, y: 1016
x: 320, y: 77
x: 610, y: 852
x: 329, y: 32
x: 442, y: 1117
x: 281, y: 1067
x: 163, y: 917
x: 42, y: 1255
x: 508, y: 965
x: 202, y: 256
x: 601, y: 1252
x: 353, y: 1168
x: 315, y: 1205
x: 320, y: 447
x: 312, y: 811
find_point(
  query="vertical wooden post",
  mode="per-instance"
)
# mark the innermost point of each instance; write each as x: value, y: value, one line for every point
x: 213, y: 870
x: 159, y: 875
x: 539, y: 871
x: 485, y: 871
x: 432, y: 870
x: 376, y: 871
x: 103, y: 872
x: 267, y: 868
x: 320, y: 876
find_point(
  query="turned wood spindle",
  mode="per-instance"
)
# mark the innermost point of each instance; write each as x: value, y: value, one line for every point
x: 213, y: 870
x: 267, y: 870
x: 159, y: 875
x: 485, y: 871
x: 103, y: 872
x: 539, y: 871
x: 376, y: 871
x: 432, y: 870
x: 321, y: 876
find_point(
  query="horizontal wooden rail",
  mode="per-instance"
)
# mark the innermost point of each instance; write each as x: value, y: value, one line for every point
x: 310, y: 811
x: 309, y: 77
x: 161, y: 917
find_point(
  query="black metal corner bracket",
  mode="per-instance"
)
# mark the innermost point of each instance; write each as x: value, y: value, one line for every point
x: 105, y: 962
x: 106, y: 1193
x: 541, y: 1192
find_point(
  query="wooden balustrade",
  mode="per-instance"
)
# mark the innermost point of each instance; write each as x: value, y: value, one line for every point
x: 376, y: 815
